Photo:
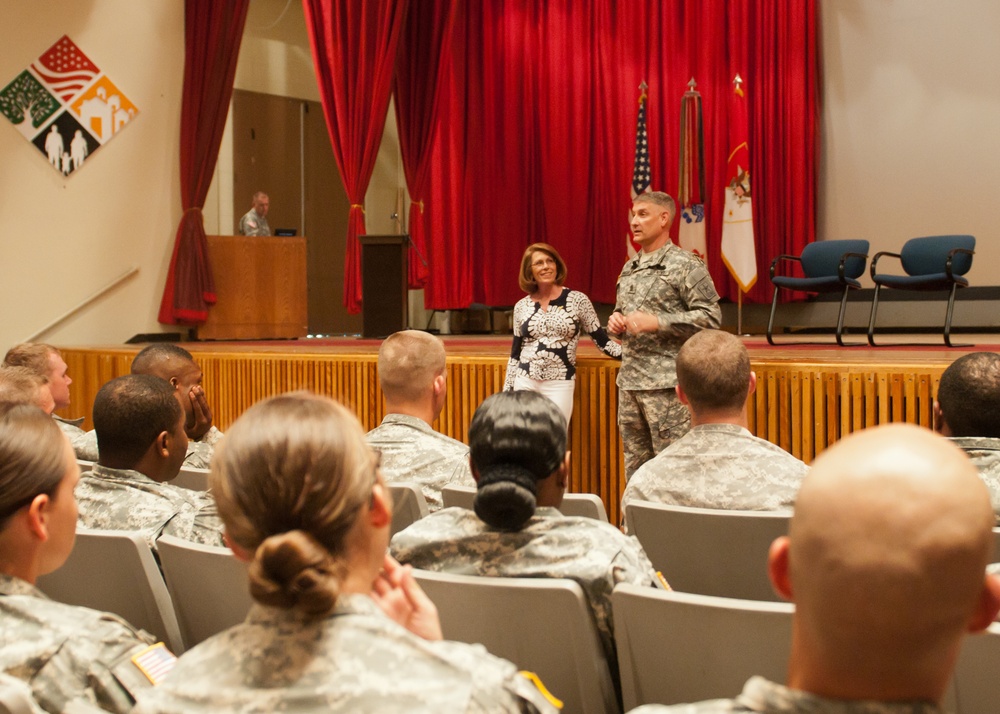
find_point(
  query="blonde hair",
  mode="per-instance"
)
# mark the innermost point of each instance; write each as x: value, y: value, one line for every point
x: 408, y: 361
x: 290, y: 479
x: 21, y: 385
x: 33, y: 355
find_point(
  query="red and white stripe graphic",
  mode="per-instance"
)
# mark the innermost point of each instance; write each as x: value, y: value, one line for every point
x: 65, y: 69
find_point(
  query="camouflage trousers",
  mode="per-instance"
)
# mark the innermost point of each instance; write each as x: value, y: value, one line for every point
x: 649, y: 421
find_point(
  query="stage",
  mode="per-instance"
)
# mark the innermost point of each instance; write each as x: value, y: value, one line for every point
x: 807, y: 396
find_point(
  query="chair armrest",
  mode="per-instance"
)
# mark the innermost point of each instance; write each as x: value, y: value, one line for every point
x: 774, y: 263
x: 951, y: 254
x: 842, y: 268
x: 879, y: 255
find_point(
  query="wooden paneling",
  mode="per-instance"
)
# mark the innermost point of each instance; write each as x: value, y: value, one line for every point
x: 801, y: 406
x: 261, y: 287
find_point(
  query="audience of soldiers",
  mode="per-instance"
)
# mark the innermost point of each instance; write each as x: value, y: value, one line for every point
x: 885, y: 559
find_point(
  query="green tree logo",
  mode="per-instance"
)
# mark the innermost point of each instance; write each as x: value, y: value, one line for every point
x: 25, y: 100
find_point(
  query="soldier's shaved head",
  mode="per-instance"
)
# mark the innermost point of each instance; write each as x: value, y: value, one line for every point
x: 885, y: 561
x: 408, y: 363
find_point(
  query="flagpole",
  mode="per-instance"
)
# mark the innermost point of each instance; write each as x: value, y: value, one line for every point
x: 739, y: 311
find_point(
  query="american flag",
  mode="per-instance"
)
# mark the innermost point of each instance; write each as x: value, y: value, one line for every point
x: 640, y: 168
x: 65, y: 69
x: 156, y: 662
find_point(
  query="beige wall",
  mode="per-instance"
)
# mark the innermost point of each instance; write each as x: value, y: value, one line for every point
x: 64, y: 238
x: 911, y: 123
x: 910, y: 117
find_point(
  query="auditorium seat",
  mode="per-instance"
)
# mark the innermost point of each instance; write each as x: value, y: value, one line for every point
x: 192, y: 479
x: 587, y: 505
x: 115, y: 571
x: 677, y: 647
x: 408, y: 505
x: 709, y: 551
x: 541, y: 625
x: 208, y: 587
x: 976, y: 687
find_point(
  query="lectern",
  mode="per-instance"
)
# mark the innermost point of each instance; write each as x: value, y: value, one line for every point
x: 383, y: 284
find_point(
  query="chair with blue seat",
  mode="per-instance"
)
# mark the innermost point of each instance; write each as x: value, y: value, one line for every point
x: 930, y: 263
x: 829, y: 266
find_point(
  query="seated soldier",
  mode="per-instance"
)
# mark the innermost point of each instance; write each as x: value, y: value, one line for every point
x: 967, y: 411
x: 520, y: 463
x: 885, y: 561
x: 718, y: 463
x: 20, y: 385
x: 72, y: 658
x: 46, y: 361
x: 411, y: 372
x: 141, y: 439
x: 176, y: 365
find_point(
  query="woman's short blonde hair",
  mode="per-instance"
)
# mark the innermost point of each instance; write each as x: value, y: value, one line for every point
x: 526, y: 280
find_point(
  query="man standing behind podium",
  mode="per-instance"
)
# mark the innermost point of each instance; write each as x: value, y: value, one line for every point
x: 254, y: 221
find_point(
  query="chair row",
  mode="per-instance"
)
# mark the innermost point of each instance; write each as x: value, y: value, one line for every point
x: 202, y: 589
x: 672, y: 647
x: 714, y: 552
x: 932, y: 263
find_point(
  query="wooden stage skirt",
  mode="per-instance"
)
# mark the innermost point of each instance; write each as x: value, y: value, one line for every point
x: 807, y: 396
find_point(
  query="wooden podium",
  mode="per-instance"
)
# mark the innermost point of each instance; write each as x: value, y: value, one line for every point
x: 260, y: 283
x: 384, y: 296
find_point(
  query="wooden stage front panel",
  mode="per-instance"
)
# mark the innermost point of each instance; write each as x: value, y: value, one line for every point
x: 805, y: 400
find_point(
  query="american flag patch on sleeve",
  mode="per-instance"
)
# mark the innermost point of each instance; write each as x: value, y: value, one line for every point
x: 155, y: 662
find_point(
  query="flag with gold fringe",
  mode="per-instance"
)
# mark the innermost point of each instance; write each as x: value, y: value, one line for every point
x: 691, y: 186
x: 738, y: 246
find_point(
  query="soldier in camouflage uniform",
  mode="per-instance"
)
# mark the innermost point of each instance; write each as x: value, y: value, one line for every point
x: 885, y: 561
x: 411, y: 373
x: 302, y: 500
x: 665, y: 295
x: 46, y: 362
x: 254, y: 221
x: 530, y: 478
x: 718, y: 463
x: 176, y: 365
x: 70, y: 657
x: 140, y: 429
x: 967, y: 411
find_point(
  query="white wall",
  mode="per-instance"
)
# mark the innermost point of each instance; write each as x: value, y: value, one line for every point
x: 64, y: 238
x: 911, y: 123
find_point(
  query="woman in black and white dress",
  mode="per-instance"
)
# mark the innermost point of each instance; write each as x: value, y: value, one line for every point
x: 547, y: 326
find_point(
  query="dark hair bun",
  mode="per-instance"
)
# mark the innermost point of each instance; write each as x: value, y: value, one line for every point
x: 293, y: 571
x: 505, y: 498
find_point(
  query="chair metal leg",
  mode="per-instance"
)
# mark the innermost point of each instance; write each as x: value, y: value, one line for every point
x: 871, y: 320
x: 947, y: 320
x: 840, y: 318
x: 770, y: 321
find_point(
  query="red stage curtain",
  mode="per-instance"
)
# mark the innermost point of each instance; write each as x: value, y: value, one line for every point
x: 537, y: 133
x: 417, y: 88
x: 354, y: 46
x: 212, y: 35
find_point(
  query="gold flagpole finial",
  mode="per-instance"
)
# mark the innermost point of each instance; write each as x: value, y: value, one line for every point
x: 738, y: 81
x: 692, y: 84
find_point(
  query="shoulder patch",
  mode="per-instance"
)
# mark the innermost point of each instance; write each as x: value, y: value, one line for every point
x: 156, y: 662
